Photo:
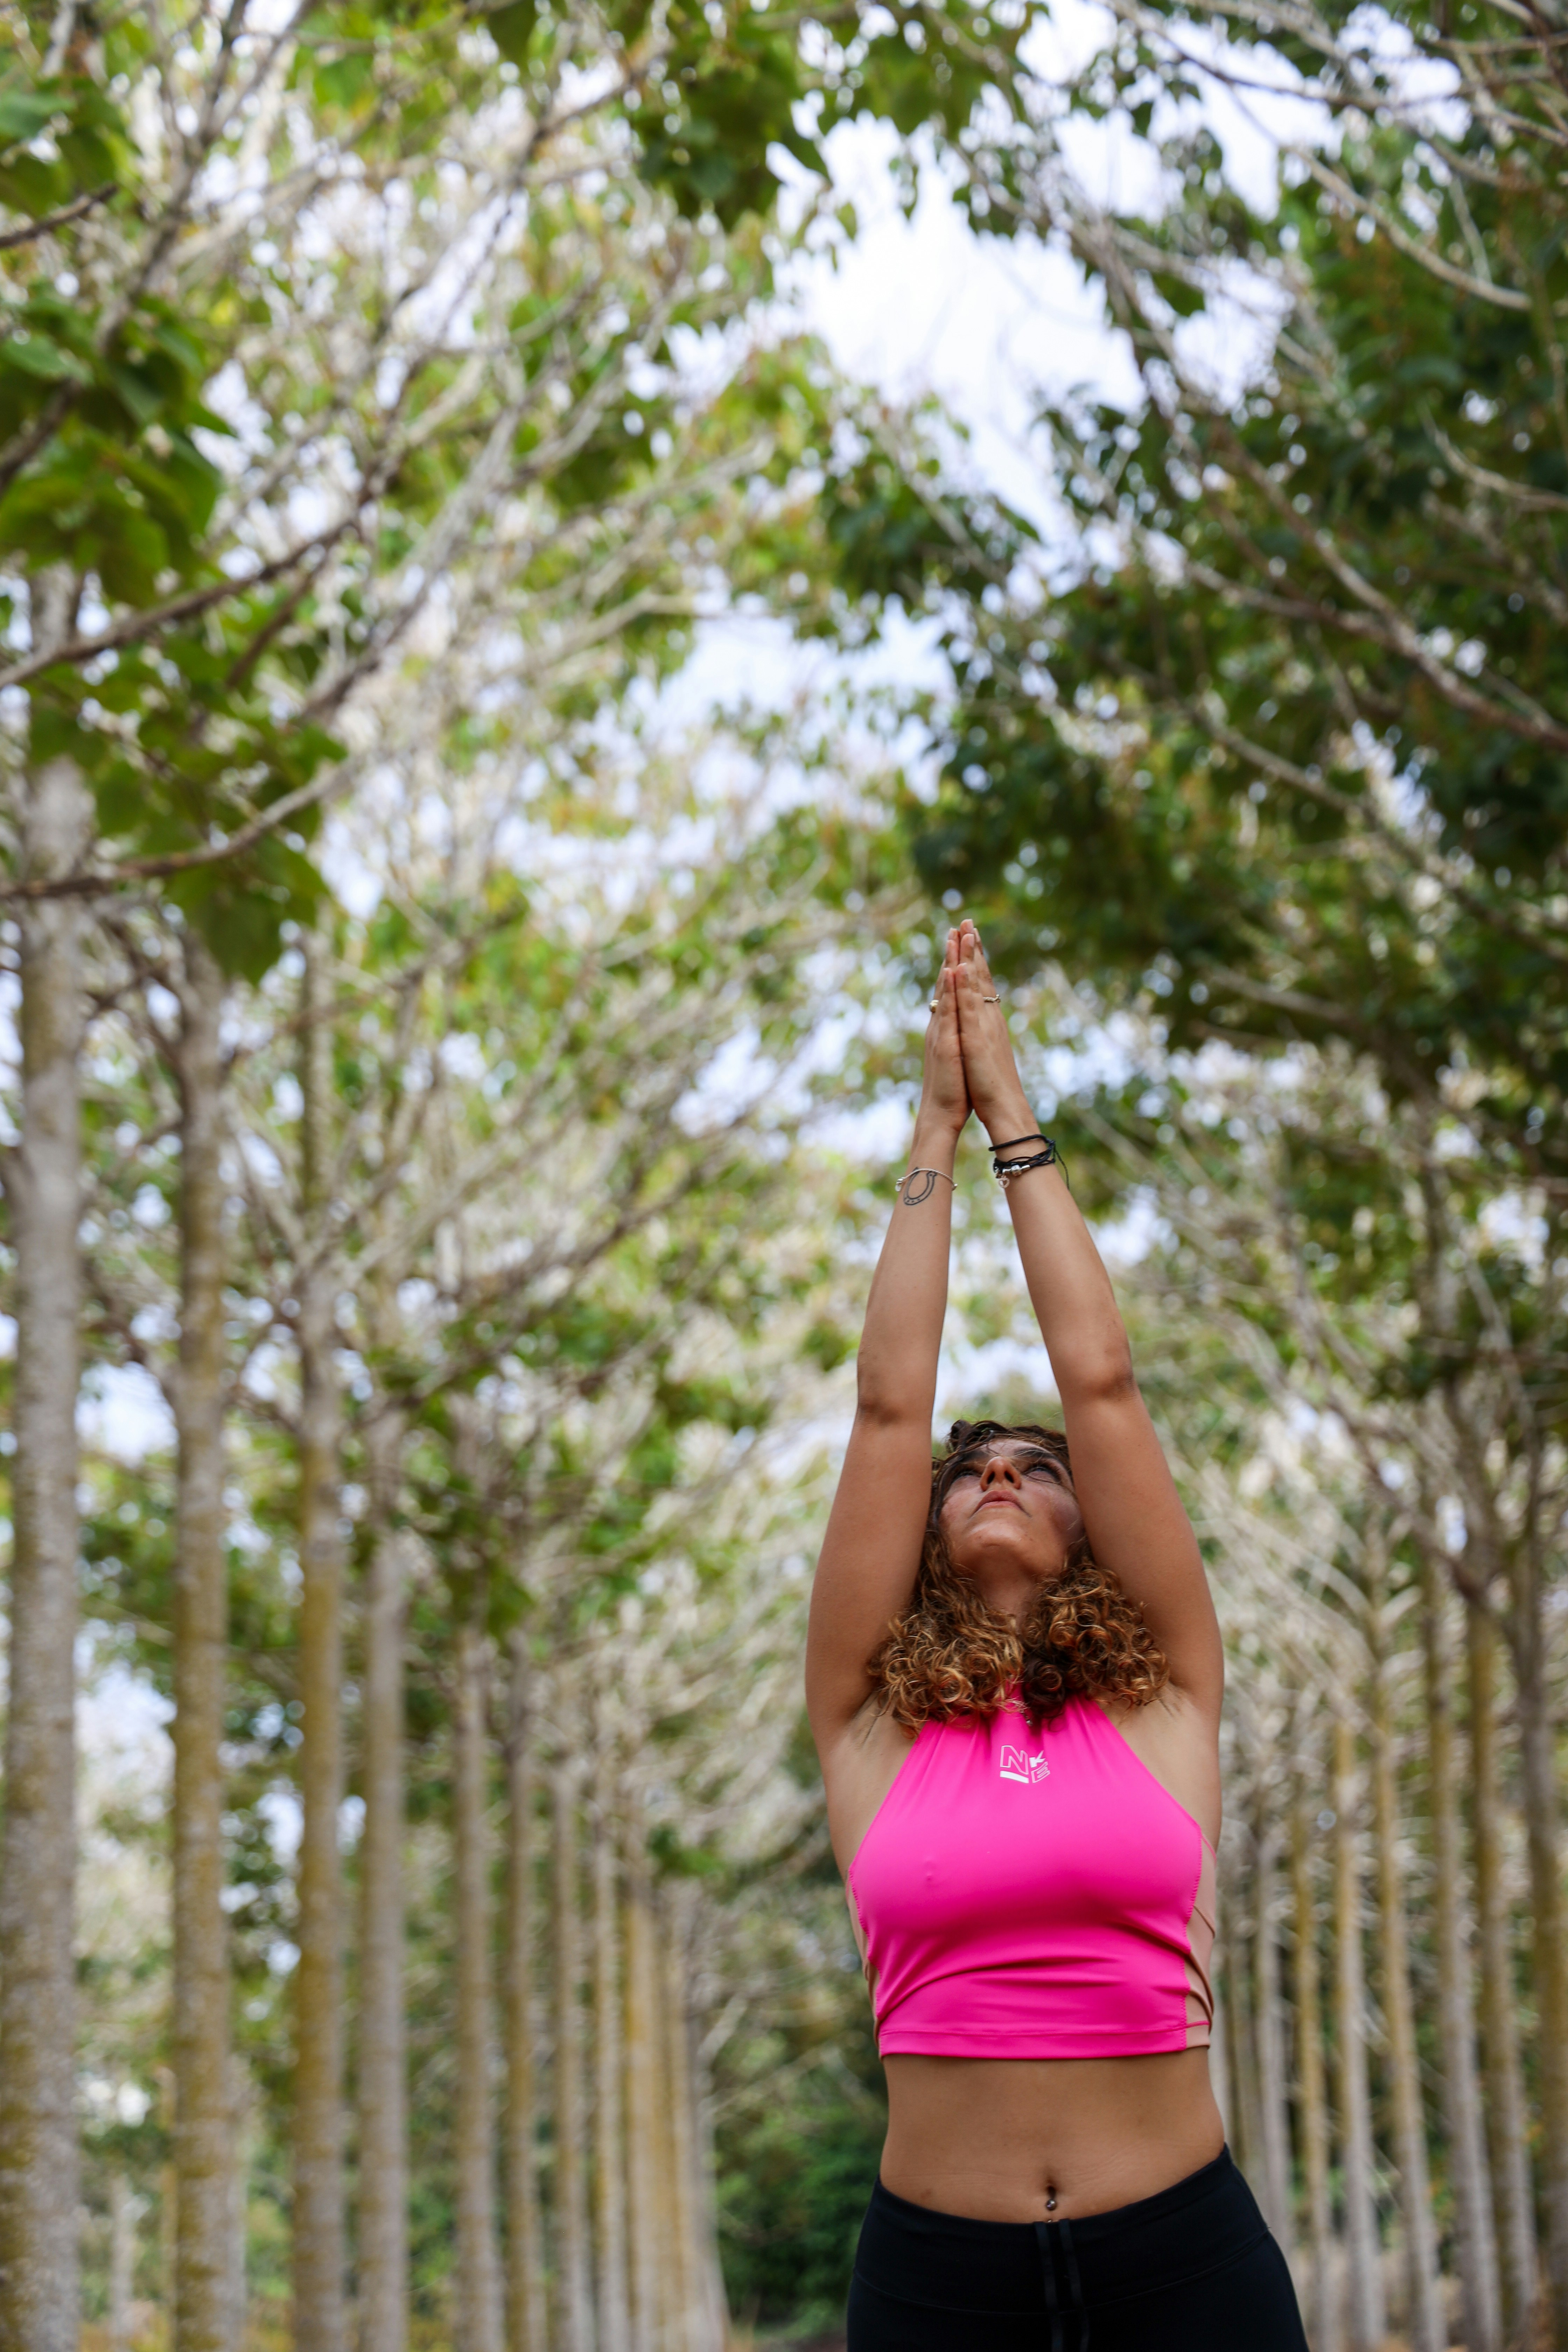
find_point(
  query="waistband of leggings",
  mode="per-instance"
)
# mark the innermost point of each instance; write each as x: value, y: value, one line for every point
x: 1089, y: 2227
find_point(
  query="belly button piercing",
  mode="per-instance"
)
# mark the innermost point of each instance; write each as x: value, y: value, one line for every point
x: 1050, y: 2200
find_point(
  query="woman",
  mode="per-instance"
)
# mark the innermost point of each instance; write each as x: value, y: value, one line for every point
x: 1013, y: 1675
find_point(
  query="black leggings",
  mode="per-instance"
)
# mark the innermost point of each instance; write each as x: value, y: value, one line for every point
x: 1191, y: 2270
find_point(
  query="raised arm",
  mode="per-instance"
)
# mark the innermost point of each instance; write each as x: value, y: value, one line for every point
x: 1132, y: 1510
x: 872, y: 1549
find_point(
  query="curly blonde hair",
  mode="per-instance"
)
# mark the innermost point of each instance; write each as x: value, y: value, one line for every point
x: 950, y: 1653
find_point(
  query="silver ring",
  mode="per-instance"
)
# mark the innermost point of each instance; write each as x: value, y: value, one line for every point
x: 990, y: 999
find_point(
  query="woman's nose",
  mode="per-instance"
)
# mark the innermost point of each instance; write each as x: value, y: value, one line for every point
x: 998, y: 1467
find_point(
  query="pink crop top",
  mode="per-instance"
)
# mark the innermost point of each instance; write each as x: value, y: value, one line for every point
x: 1025, y: 1894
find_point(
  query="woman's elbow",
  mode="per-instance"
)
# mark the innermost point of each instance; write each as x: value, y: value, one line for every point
x: 882, y: 1402
x: 1105, y: 1379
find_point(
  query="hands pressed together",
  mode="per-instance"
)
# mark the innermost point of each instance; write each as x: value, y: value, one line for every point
x: 969, y: 1065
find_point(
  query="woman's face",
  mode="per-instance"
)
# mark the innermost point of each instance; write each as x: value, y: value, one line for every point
x: 1010, y: 1517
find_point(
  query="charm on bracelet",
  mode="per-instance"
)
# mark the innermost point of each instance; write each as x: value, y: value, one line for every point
x: 912, y: 1195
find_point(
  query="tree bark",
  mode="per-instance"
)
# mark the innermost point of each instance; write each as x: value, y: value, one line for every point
x: 1507, y: 2117
x: 318, y: 2218
x: 39, y: 2293
x: 609, y: 2162
x: 121, y: 2261
x: 525, y: 2268
x: 1310, y: 2089
x: 1219, y: 2049
x: 699, y: 2325
x: 643, y: 2095
x: 479, y: 2290
x: 1549, y: 1959
x: 1274, y: 2149
x: 1364, y: 2297
x: 383, y: 2029
x: 1424, y: 2321
x: 574, y: 2311
x: 1246, y: 2116
x: 204, y: 2121
x: 668, y: 2187
x: 1475, y: 2241
x: 716, y: 2303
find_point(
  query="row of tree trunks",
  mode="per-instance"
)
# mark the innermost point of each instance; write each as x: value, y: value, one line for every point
x: 1273, y: 2049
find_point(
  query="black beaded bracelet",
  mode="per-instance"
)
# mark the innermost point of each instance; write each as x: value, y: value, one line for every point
x: 1003, y: 1169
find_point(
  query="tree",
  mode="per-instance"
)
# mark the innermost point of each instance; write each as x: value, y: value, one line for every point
x: 317, y: 331
x: 1280, y: 761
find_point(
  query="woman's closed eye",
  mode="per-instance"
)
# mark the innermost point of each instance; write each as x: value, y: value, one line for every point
x: 1041, y: 1466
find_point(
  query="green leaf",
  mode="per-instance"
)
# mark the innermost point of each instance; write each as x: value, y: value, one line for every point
x: 511, y: 29
x: 34, y: 355
x: 24, y: 114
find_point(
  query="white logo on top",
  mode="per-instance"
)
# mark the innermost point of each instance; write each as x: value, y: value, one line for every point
x: 1017, y: 1764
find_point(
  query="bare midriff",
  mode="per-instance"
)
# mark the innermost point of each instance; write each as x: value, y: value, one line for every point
x: 1045, y: 2139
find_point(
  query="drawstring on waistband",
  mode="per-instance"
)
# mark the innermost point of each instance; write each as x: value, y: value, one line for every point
x: 1047, y: 2236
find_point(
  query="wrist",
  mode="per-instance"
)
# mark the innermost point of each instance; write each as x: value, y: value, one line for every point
x: 1004, y: 1121
x: 935, y: 1144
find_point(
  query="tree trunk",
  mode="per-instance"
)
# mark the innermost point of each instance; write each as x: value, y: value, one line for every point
x: 318, y: 2218
x: 1274, y: 2151
x: 1219, y: 2047
x: 121, y: 2261
x: 241, y: 2109
x: 1310, y: 2091
x: 716, y: 2303
x: 1473, y: 2230
x: 643, y: 2097
x: 1424, y: 2322
x: 525, y: 2268
x: 609, y: 2164
x: 39, y: 2264
x: 383, y: 2029
x: 1507, y: 2119
x: 669, y: 2238
x: 478, y: 2297
x: 574, y: 2312
x: 204, y: 2122
x: 1364, y: 2255
x: 1549, y: 1958
x: 1242, y: 2055
x: 700, y: 2326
